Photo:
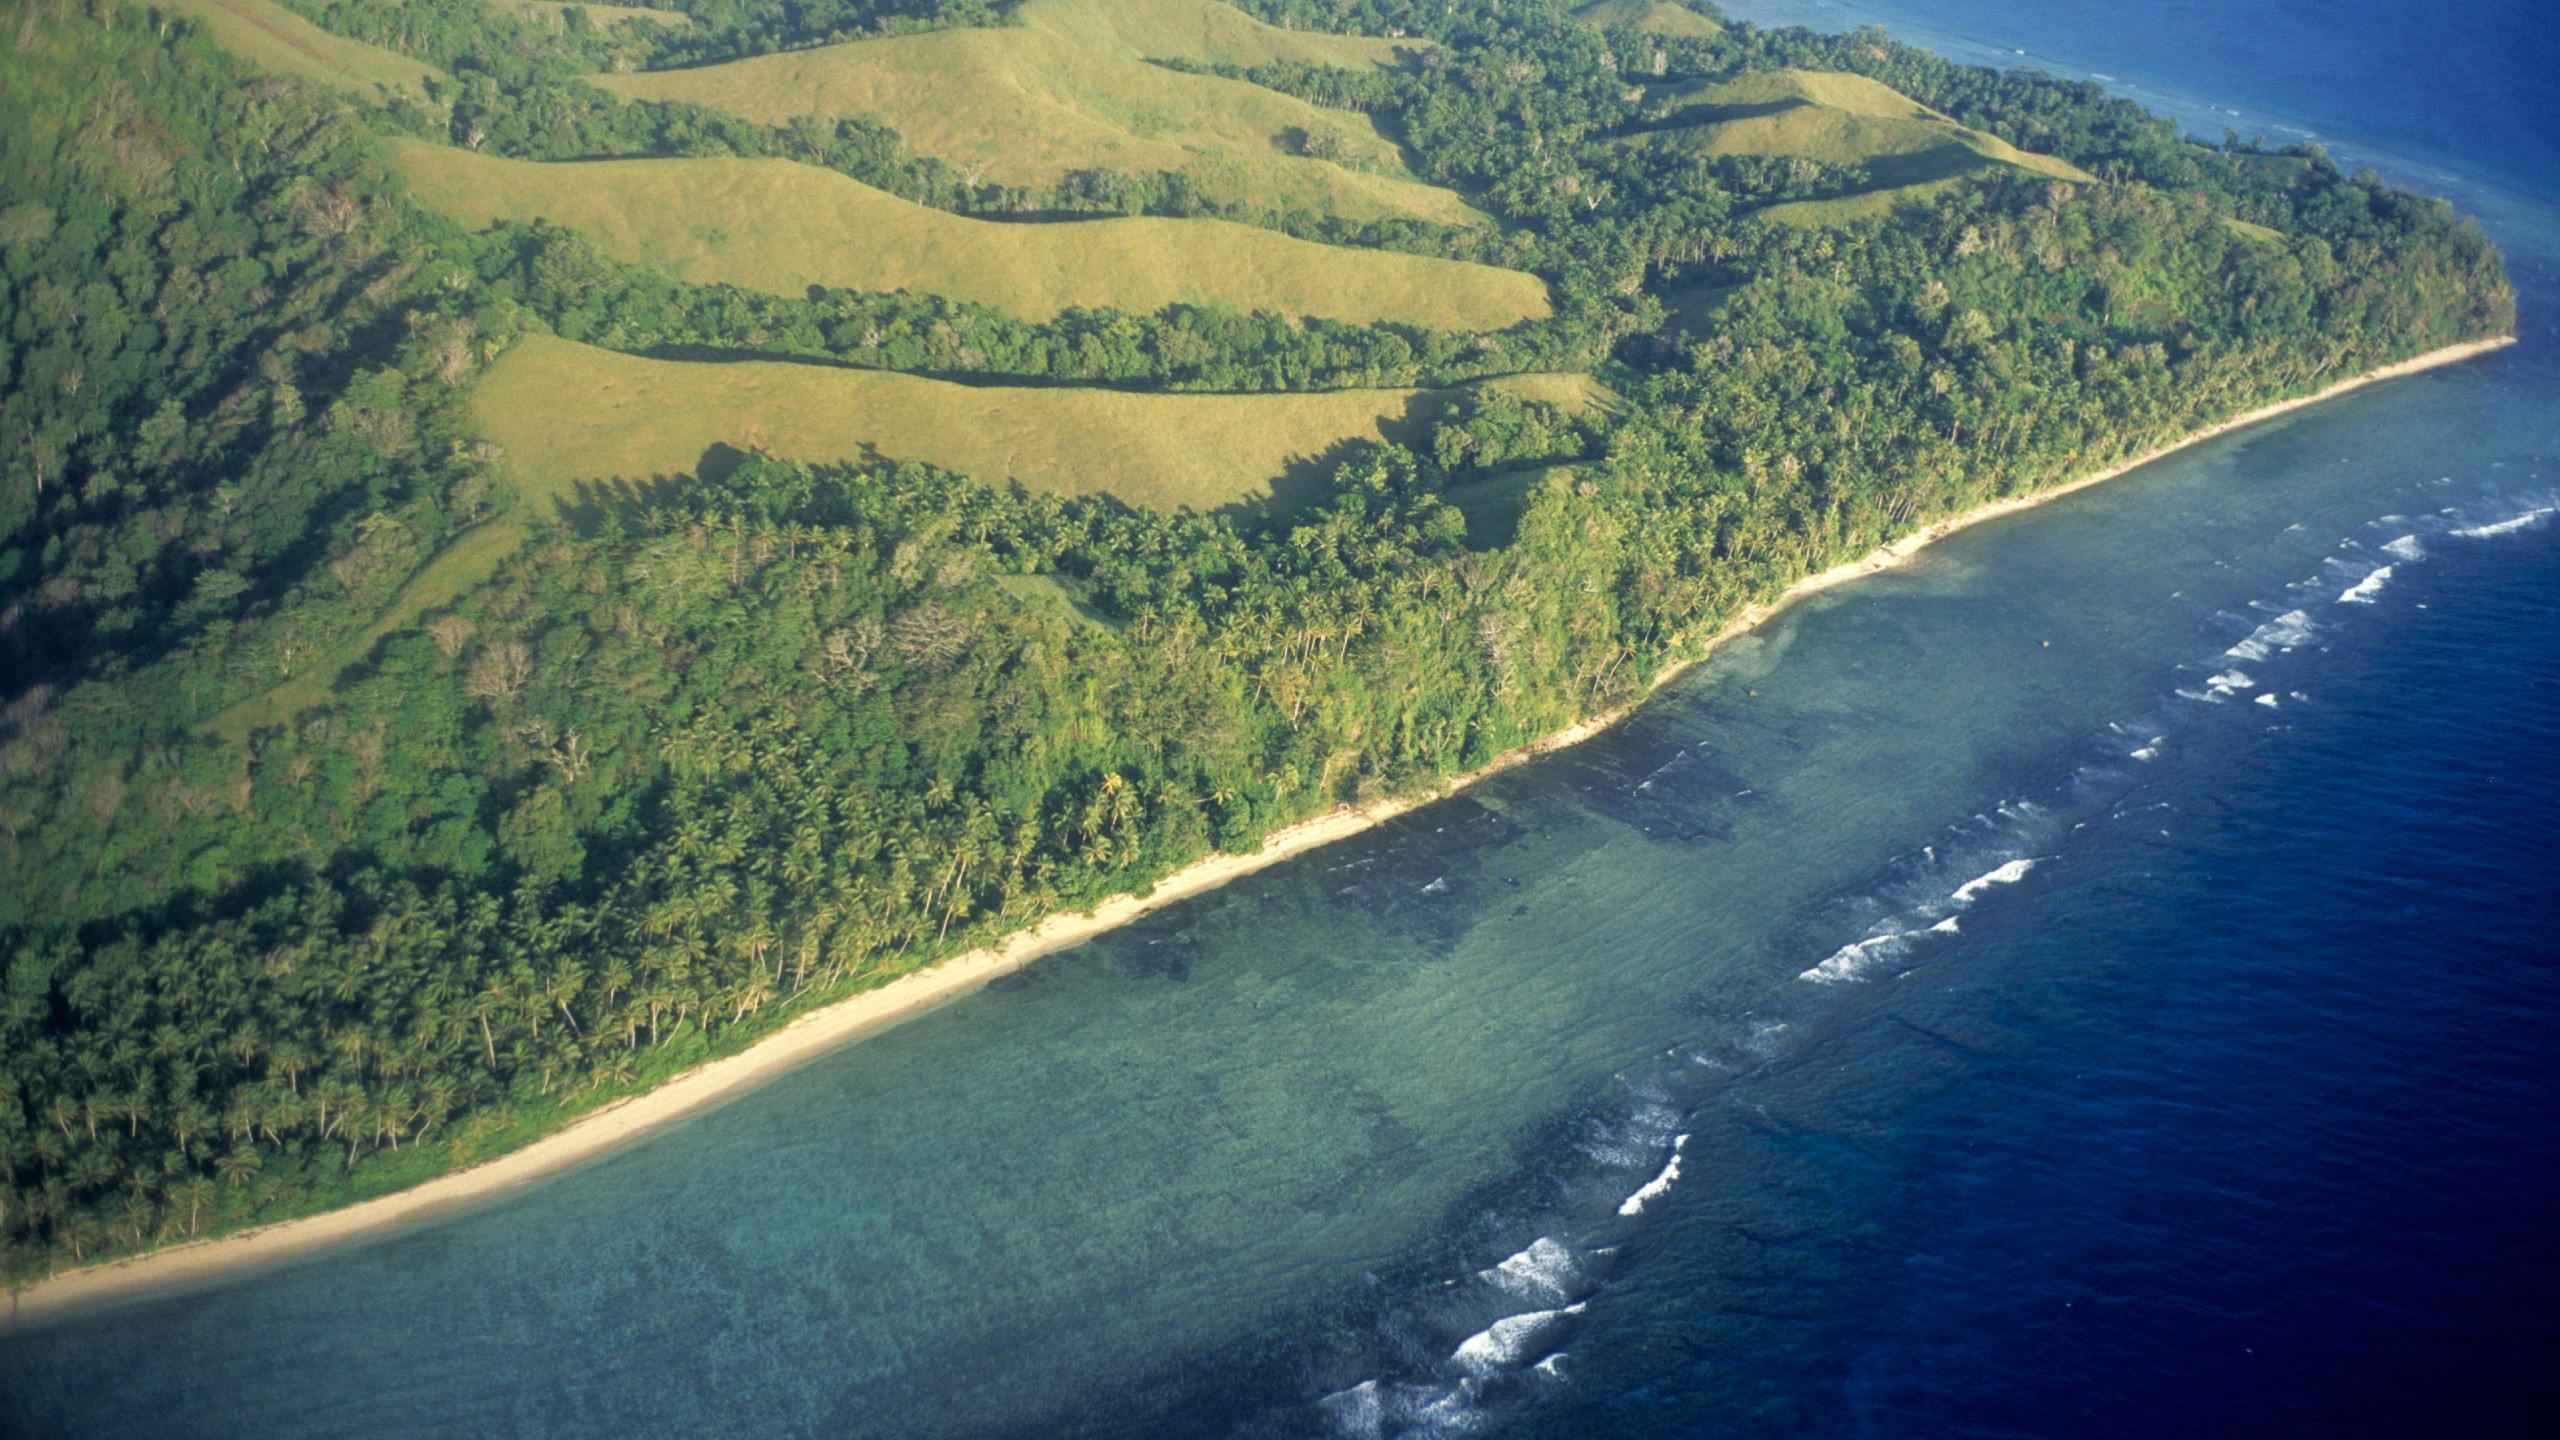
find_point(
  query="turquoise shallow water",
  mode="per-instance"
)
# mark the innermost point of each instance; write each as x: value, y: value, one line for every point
x: 1379, y: 1141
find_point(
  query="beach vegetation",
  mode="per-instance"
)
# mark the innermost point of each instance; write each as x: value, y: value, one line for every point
x: 460, y: 670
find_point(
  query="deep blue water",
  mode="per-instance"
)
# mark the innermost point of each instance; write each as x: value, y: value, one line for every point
x: 2098, y: 980
x: 2244, y: 1122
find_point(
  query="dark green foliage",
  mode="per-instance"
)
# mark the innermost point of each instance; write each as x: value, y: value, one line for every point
x: 584, y: 295
x: 476, y: 35
x: 226, y: 382
x: 710, y: 755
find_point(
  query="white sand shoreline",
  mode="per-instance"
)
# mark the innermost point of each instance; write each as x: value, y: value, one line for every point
x: 843, y: 1021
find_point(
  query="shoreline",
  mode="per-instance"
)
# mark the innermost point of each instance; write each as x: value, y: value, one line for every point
x: 854, y: 1017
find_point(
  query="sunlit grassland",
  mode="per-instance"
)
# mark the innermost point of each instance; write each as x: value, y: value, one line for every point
x: 1027, y: 106
x: 658, y: 420
x: 601, y: 16
x: 1908, y: 150
x: 780, y: 227
x: 1658, y: 17
x: 269, y: 35
x: 580, y: 423
x: 1203, y: 31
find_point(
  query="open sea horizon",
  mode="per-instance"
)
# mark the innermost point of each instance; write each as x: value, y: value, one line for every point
x: 2098, y: 979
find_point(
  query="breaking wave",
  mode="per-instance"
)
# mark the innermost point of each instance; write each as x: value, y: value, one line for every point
x: 1545, y: 1272
x: 1660, y: 1185
x: 2363, y: 591
x: 1491, y: 1337
x: 1507, y: 1341
x: 2282, y: 634
x: 2009, y: 874
x: 2525, y: 521
x: 1895, y: 937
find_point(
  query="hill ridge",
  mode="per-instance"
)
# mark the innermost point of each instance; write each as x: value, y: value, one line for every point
x: 1040, y: 107
x: 782, y: 227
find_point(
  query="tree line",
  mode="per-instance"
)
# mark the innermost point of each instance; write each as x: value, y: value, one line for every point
x: 684, y: 768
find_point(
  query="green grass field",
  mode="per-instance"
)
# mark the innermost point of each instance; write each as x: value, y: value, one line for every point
x: 582, y: 425
x: 1658, y: 17
x: 1027, y: 106
x: 1201, y: 30
x: 603, y: 17
x: 775, y: 226
x: 1493, y: 506
x: 1057, y: 595
x: 1694, y: 309
x: 1908, y: 149
x: 269, y: 35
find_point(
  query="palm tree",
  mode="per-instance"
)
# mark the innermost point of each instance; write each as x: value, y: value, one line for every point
x: 237, y: 1166
x: 195, y: 1192
x: 134, y: 1218
x: 292, y: 1059
x: 91, y: 1170
x: 79, y: 1231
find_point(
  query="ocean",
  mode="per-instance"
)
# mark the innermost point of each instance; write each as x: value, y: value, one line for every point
x: 2094, y: 980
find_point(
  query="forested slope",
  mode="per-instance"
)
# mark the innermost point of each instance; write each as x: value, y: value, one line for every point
x: 364, y: 812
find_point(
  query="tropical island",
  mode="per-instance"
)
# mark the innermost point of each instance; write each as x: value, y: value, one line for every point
x: 544, y: 542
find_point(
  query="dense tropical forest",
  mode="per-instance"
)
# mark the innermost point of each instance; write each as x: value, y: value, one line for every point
x: 367, y: 808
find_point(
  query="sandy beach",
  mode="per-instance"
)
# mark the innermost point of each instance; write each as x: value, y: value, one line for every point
x: 825, y: 1028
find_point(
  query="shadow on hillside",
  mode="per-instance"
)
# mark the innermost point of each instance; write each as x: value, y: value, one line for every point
x: 1493, y: 505
x: 722, y: 355
x: 1304, y: 482
x: 1692, y: 117
x: 589, y: 502
x: 1925, y: 167
x: 1307, y: 480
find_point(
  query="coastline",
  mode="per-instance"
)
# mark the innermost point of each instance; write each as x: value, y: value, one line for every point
x: 854, y: 1017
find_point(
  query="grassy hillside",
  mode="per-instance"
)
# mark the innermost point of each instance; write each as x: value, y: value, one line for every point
x: 774, y: 226
x: 1027, y: 106
x: 1493, y: 506
x: 575, y: 420
x: 1908, y: 150
x: 272, y: 36
x: 600, y: 16
x: 1658, y: 17
x: 1200, y: 30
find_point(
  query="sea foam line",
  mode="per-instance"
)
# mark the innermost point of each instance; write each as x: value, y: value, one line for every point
x: 1659, y: 1185
x: 2524, y: 521
x: 1847, y: 962
x: 1506, y: 1341
x: 2292, y: 628
x: 2363, y: 591
x: 1858, y: 956
x: 2009, y: 874
x: 1545, y: 1271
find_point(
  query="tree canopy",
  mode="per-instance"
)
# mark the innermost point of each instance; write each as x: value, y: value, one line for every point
x: 362, y: 817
